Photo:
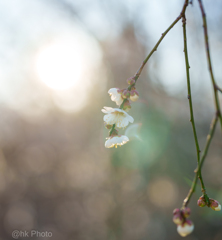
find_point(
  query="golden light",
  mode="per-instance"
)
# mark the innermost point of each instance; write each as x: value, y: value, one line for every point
x: 60, y: 65
x: 69, y: 66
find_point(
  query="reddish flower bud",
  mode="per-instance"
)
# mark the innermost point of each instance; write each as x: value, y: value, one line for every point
x: 177, y: 216
x: 176, y: 211
x: 186, y: 212
x: 120, y: 90
x: 125, y: 94
x: 131, y: 81
x: 178, y: 219
x: 201, y: 202
x: 215, y: 205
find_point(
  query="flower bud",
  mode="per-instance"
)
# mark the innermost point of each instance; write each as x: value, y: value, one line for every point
x: 176, y: 211
x: 126, y: 105
x: 186, y: 212
x: 215, y: 205
x: 134, y: 95
x: 119, y: 90
x: 131, y: 81
x: 186, y: 228
x: 201, y: 202
x: 178, y: 219
x: 177, y: 216
x: 125, y: 94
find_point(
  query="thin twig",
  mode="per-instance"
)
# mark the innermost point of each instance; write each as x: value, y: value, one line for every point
x: 190, y: 102
x: 218, y: 88
x: 186, y: 2
x: 215, y: 87
x: 161, y: 38
x: 198, y: 170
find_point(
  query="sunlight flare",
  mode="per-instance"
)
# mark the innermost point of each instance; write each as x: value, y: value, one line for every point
x: 68, y: 66
x: 60, y: 65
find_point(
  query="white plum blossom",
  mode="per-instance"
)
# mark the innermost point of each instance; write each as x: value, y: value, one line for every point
x: 185, y: 229
x: 116, y: 141
x: 116, y: 116
x: 116, y: 96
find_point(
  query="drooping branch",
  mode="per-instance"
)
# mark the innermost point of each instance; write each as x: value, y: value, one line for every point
x: 205, y: 151
x: 161, y: 38
x: 190, y: 102
x: 215, y: 87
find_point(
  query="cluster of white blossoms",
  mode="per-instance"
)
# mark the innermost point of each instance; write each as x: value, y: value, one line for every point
x: 118, y: 117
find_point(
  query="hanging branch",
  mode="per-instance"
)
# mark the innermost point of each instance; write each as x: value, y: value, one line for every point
x: 161, y: 38
x: 191, y: 105
x: 117, y: 117
x: 198, y: 170
x: 215, y: 87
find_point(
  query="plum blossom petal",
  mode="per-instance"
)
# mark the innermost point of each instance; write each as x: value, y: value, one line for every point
x: 108, y: 110
x: 116, y: 116
x: 116, y: 96
x: 116, y: 141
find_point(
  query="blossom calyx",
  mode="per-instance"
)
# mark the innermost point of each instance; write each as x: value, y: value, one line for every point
x: 201, y: 202
x: 186, y: 228
x: 215, y: 205
x: 114, y: 132
x: 108, y: 126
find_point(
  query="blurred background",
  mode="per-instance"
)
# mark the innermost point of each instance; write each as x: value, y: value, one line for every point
x: 58, y: 59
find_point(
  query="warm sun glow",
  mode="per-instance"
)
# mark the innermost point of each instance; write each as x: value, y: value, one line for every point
x: 69, y: 66
x: 60, y: 65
